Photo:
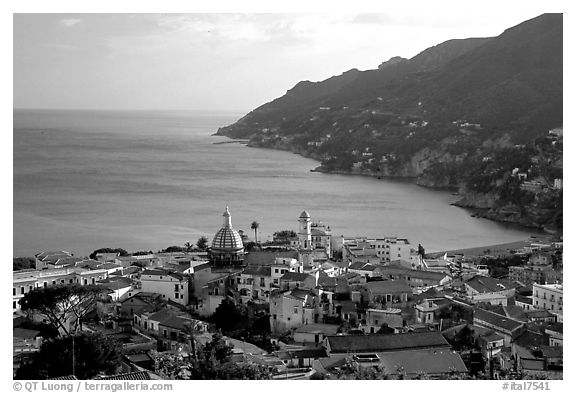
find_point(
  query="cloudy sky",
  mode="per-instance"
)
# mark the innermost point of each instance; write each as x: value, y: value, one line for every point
x: 218, y: 61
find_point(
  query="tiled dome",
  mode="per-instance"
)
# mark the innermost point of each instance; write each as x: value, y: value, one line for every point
x: 227, y: 239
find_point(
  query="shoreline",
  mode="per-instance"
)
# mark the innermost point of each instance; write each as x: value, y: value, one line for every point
x: 474, y: 212
x: 495, y: 249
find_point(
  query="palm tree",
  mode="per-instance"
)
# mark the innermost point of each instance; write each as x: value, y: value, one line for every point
x: 188, y: 246
x: 255, y: 226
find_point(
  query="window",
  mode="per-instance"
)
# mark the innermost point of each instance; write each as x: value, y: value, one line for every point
x: 71, y: 281
x: 176, y: 288
x: 274, y: 316
x: 53, y: 282
x: 262, y: 282
x: 22, y: 290
x: 13, y: 291
x: 275, y: 270
x: 164, y: 332
x: 14, y: 306
x: 176, y: 295
x: 295, y: 310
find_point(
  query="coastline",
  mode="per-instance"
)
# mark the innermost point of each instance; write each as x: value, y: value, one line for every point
x: 495, y: 249
x: 474, y: 211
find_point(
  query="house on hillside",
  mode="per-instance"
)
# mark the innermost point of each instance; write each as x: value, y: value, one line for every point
x: 394, y: 293
x: 171, y: 285
x: 292, y: 308
x: 482, y: 289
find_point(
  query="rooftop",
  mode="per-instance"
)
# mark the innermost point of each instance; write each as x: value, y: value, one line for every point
x: 484, y: 284
x: 255, y: 270
x: 498, y: 320
x: 382, y: 343
x: 294, y: 276
x: 431, y: 362
x: 388, y: 286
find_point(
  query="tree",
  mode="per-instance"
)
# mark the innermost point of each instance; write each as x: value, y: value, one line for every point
x: 227, y: 317
x: 213, y: 362
x: 23, y: 263
x: 255, y: 226
x: 284, y: 236
x: 202, y: 243
x: 83, y: 355
x: 65, y: 306
x: 120, y: 251
x: 137, y: 253
x: 174, y: 249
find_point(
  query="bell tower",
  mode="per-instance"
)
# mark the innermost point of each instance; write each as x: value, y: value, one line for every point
x: 305, y: 232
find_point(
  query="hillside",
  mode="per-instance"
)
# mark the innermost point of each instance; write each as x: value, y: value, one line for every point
x: 447, y: 117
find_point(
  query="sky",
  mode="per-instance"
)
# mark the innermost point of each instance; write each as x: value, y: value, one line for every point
x: 220, y: 61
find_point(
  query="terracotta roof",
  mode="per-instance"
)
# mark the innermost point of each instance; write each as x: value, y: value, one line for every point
x: 135, y: 376
x: 159, y: 272
x: 498, y: 320
x: 538, y: 313
x: 413, y: 273
x: 552, y: 352
x: 363, y: 266
x: 318, y: 232
x: 294, y: 276
x: 382, y: 343
x: 483, y: 284
x: 388, y: 287
x: 131, y: 270
x: 556, y: 327
x: 255, y: 270
x: 267, y: 257
x: 428, y: 362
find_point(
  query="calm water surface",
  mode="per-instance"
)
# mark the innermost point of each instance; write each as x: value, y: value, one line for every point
x: 147, y: 180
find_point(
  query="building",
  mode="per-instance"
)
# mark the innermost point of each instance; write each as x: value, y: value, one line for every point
x: 365, y: 269
x: 24, y: 281
x: 506, y: 327
x: 394, y: 293
x: 290, y: 309
x: 347, y: 345
x: 381, y: 250
x: 378, y: 318
x: 171, y: 285
x: 548, y: 297
x: 321, y: 237
x: 417, y: 279
x: 314, y: 332
x: 227, y: 248
x: 482, y: 289
x: 254, y: 284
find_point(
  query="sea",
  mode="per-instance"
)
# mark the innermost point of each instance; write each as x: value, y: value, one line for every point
x: 146, y: 180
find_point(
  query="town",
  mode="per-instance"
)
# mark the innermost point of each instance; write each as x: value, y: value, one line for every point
x: 306, y: 305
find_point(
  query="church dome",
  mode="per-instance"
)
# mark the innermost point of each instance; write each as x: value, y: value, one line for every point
x: 227, y: 239
x: 304, y: 214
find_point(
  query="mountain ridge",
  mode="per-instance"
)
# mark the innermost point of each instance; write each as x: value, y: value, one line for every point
x: 438, y: 117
